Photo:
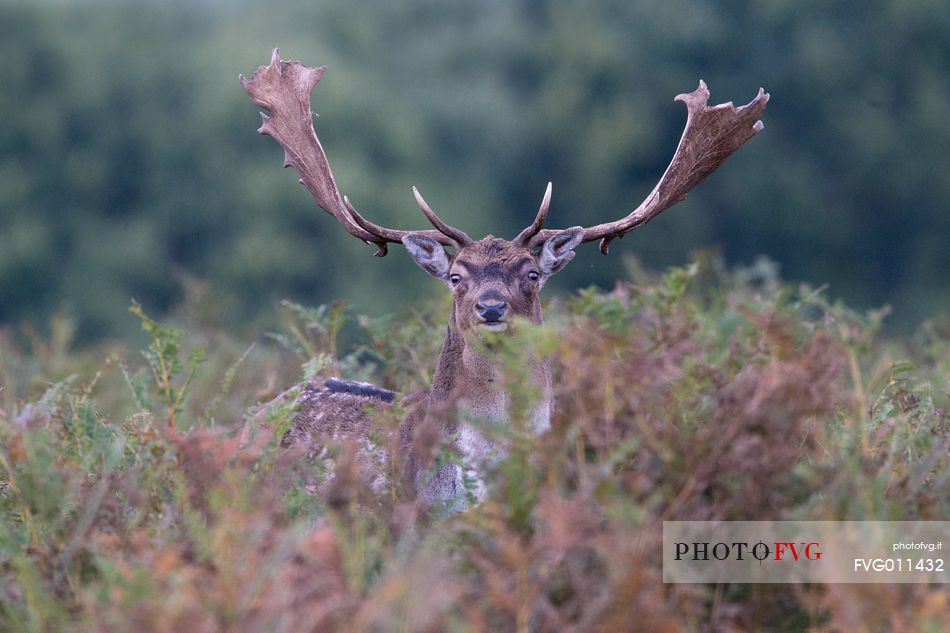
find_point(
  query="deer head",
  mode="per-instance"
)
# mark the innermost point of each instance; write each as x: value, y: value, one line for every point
x: 492, y: 278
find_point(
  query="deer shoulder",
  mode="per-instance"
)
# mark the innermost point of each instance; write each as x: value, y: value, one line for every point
x: 335, y: 409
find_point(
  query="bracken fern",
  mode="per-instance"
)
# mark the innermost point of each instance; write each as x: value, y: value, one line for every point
x: 156, y: 497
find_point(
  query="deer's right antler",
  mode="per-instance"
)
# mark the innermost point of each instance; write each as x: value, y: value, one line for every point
x: 283, y: 88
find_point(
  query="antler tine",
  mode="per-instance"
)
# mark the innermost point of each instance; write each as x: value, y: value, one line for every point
x: 454, y: 233
x: 532, y: 229
x: 283, y: 88
x: 712, y: 134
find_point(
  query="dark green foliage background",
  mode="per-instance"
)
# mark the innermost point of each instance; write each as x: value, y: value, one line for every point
x: 129, y: 166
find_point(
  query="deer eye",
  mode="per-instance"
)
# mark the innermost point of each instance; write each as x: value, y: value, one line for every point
x: 455, y: 278
x: 533, y: 275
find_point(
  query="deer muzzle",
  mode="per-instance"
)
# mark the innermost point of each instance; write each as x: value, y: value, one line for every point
x: 491, y: 308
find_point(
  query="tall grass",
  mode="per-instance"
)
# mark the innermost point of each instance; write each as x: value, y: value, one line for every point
x: 149, y: 493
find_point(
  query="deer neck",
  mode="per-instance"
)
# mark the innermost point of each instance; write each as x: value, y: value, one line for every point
x: 468, y: 386
x: 467, y: 381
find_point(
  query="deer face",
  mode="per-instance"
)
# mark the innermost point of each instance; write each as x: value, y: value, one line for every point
x: 493, y: 279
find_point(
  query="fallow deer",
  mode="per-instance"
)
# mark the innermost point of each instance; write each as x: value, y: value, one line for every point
x: 493, y: 280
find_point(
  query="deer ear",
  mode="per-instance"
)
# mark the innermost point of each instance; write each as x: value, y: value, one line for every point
x: 429, y: 254
x: 558, y: 250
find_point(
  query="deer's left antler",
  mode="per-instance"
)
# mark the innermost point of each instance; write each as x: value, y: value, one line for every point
x: 711, y: 136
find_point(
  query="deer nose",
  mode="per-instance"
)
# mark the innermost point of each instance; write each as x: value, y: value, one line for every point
x: 492, y: 310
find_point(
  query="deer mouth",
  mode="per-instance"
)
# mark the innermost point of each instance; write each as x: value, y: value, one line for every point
x: 494, y: 326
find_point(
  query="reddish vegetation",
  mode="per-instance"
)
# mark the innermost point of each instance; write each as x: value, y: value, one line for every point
x: 671, y: 404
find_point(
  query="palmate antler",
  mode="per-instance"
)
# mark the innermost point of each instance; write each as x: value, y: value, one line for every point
x: 711, y: 136
x: 283, y: 88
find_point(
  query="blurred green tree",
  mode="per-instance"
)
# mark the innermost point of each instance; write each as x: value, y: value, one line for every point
x: 129, y: 165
